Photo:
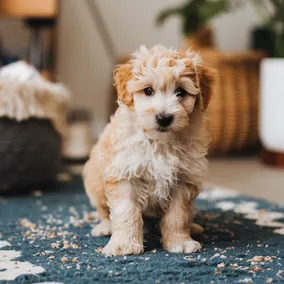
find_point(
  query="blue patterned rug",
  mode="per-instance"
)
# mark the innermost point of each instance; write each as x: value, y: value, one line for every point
x: 45, y: 237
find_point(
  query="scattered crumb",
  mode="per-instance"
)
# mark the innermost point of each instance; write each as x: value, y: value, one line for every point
x: 246, y: 280
x: 66, y: 244
x: 215, y: 255
x: 278, y: 274
x: 189, y: 258
x: 26, y: 223
x: 269, y: 280
x: 110, y: 273
x: 268, y: 259
x: 37, y: 193
x: 54, y: 245
x: 221, y: 265
x: 234, y: 265
x: 257, y: 258
x: 153, y: 251
x: 75, y: 260
x: 99, y: 250
x: 255, y: 269
x: 64, y: 259
x: 89, y: 267
x: 75, y: 246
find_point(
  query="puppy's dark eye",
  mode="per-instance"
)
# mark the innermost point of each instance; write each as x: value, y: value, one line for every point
x: 180, y: 92
x: 149, y: 91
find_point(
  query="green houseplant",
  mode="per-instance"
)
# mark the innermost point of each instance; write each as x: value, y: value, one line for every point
x: 195, y: 15
x: 272, y: 15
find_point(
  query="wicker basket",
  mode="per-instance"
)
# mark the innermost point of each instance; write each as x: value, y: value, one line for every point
x: 233, y: 111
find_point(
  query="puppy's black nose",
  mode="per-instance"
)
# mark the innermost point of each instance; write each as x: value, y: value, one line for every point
x: 164, y: 120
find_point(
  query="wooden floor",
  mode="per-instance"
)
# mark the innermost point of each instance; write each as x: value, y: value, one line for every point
x: 248, y: 176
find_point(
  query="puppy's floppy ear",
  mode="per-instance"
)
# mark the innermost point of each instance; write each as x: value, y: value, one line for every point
x: 207, y: 80
x: 122, y: 74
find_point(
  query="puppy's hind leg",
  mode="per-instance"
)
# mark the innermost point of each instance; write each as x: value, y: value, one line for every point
x: 104, y: 227
x: 95, y: 190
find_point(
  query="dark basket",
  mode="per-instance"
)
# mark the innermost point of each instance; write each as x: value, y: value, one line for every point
x: 30, y: 154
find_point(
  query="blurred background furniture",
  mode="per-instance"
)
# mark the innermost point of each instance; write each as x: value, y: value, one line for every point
x: 29, y: 8
x: 78, y: 142
x: 40, y: 18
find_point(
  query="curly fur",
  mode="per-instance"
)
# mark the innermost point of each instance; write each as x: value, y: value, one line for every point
x: 140, y: 170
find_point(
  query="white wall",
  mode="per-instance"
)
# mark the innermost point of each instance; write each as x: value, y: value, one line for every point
x: 83, y: 63
x: 13, y: 33
x: 233, y: 30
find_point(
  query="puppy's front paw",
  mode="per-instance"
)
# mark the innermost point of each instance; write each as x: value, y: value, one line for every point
x: 186, y: 246
x: 102, y: 229
x: 120, y: 247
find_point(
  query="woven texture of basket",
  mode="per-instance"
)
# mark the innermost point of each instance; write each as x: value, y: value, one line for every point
x: 233, y: 111
x: 29, y: 154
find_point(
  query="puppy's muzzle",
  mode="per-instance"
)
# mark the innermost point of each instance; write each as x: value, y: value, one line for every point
x: 164, y: 120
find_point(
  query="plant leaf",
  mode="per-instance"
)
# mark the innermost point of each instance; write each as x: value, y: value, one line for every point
x: 210, y: 10
x: 165, y: 14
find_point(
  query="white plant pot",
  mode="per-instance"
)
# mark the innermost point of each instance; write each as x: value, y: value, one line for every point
x: 272, y: 105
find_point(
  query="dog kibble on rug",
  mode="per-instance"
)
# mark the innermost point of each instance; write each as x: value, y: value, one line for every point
x: 242, y: 242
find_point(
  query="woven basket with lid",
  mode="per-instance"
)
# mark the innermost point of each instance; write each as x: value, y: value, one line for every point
x: 32, y: 123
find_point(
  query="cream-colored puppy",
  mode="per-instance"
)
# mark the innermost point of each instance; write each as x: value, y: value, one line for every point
x: 151, y: 158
